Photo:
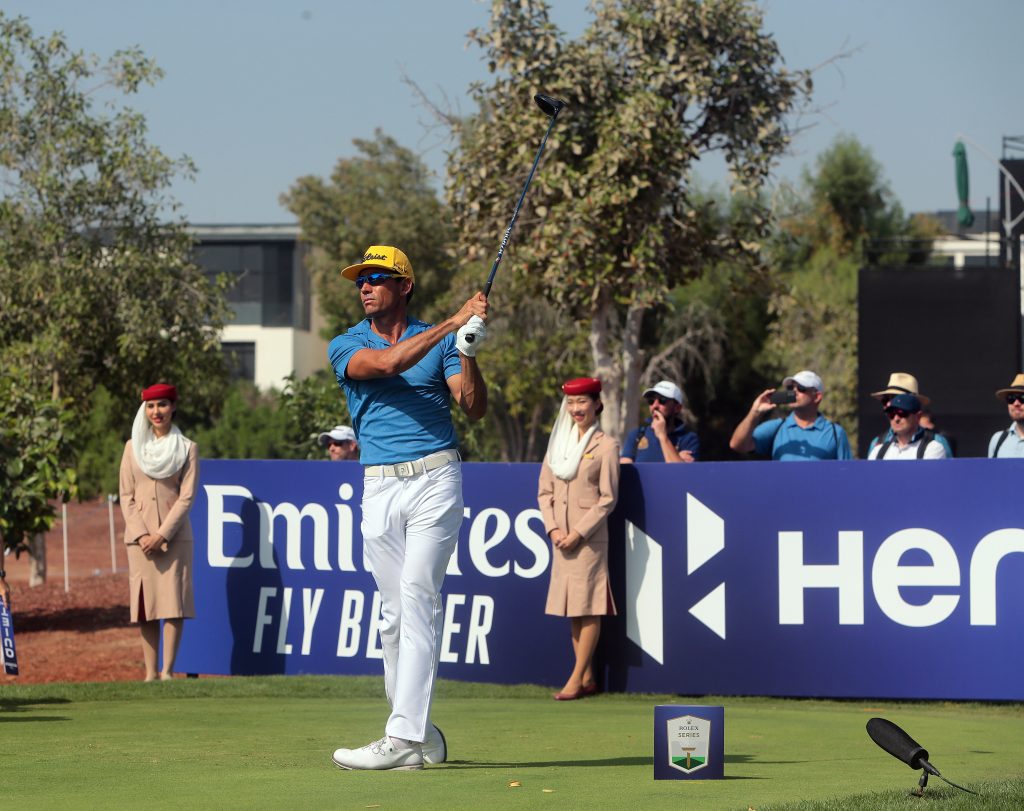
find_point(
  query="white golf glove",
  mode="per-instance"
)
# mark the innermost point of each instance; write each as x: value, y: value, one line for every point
x: 469, y: 337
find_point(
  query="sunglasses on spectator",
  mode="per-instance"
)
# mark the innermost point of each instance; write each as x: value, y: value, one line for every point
x: 657, y: 398
x: 798, y: 387
x: 1014, y: 398
x: 892, y: 411
x: 374, y: 279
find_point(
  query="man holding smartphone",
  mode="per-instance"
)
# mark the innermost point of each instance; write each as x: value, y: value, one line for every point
x: 803, y: 436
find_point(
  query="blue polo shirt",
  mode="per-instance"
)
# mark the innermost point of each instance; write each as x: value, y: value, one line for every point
x: 403, y: 417
x: 1012, y: 447
x: 788, y: 442
x: 649, y: 450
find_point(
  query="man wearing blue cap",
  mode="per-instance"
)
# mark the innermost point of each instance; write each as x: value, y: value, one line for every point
x: 909, y: 440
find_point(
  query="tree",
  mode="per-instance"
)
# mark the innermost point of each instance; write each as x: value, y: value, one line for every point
x: 96, y: 286
x: 611, y: 228
x: 845, y: 206
x: 381, y: 197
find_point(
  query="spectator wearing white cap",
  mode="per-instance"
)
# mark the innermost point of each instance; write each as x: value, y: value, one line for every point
x: 672, y: 441
x: 909, y: 440
x: 1009, y: 443
x: 803, y: 436
x: 341, y: 444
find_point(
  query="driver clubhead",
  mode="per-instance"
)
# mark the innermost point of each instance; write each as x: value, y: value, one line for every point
x: 550, y: 105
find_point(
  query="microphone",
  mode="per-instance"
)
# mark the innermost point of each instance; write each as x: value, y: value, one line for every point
x: 902, y: 747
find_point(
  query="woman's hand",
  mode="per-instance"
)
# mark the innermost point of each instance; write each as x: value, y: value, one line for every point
x: 570, y: 541
x: 557, y: 536
x: 152, y: 543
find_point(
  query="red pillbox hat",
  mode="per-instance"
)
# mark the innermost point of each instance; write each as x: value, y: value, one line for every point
x: 160, y: 391
x: 582, y: 385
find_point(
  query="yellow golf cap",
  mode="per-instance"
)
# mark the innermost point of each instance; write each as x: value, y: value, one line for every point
x: 381, y: 257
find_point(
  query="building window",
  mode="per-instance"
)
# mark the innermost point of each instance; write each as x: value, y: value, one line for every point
x: 262, y: 280
x: 241, y: 360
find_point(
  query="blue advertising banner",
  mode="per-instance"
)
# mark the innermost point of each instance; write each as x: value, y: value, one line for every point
x: 855, y: 579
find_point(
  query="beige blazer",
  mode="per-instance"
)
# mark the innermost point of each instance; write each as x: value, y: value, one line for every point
x: 157, y: 506
x: 585, y: 502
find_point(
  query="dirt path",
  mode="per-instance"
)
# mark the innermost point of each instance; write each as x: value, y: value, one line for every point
x: 81, y: 634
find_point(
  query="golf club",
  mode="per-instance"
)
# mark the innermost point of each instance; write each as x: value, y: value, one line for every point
x: 551, y: 108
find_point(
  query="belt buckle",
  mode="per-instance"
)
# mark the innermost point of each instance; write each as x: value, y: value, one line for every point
x: 404, y: 469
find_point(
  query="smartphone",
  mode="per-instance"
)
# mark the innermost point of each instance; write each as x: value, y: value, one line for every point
x: 783, y: 396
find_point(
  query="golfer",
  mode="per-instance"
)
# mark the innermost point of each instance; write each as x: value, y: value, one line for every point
x: 399, y: 375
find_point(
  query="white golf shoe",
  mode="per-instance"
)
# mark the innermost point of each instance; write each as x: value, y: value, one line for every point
x: 379, y: 755
x: 435, y: 747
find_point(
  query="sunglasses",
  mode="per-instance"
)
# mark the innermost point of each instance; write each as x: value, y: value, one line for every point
x: 799, y: 388
x: 374, y: 279
x: 892, y: 411
x: 1014, y: 398
x: 657, y: 398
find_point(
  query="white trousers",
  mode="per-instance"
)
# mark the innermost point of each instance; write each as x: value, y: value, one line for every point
x: 410, y: 527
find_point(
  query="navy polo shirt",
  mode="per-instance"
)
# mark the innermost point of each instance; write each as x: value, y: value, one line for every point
x: 649, y: 449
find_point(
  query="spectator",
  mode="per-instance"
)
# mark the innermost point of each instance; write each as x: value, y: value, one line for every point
x: 803, y: 436
x: 909, y: 439
x: 672, y: 441
x: 578, y: 488
x: 341, y: 444
x: 159, y: 471
x: 1009, y: 444
x: 904, y: 383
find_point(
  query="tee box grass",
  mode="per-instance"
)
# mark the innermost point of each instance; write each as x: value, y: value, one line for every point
x: 266, y: 742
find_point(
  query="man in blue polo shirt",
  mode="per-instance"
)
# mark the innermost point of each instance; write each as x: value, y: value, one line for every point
x: 664, y: 437
x: 803, y: 436
x: 399, y: 376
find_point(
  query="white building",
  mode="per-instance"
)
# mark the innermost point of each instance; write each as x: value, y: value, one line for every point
x: 277, y: 325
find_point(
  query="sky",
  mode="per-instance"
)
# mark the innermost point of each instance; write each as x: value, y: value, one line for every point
x: 263, y: 92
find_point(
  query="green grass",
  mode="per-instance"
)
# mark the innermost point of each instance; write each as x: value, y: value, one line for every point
x: 266, y: 743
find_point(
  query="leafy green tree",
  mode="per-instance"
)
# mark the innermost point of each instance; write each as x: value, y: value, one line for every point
x: 100, y: 440
x: 845, y: 207
x: 95, y: 285
x: 251, y: 425
x: 310, y: 406
x: 381, y: 197
x: 611, y: 227
x: 34, y: 463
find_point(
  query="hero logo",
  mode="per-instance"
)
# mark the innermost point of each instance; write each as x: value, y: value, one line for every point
x: 705, y: 538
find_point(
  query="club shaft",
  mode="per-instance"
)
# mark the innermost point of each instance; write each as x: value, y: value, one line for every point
x: 515, y: 214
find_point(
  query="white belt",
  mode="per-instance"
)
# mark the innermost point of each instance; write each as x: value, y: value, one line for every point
x: 404, y: 470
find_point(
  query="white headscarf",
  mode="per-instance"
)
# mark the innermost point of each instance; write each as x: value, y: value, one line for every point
x: 159, y: 457
x: 566, y: 446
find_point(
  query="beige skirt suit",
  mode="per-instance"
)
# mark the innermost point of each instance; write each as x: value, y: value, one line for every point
x: 159, y: 506
x: 579, y: 579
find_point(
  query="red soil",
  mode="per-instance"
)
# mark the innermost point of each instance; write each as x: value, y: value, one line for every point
x: 81, y: 634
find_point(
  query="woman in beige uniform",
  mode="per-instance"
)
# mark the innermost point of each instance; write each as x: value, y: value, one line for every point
x: 579, y: 485
x: 159, y: 471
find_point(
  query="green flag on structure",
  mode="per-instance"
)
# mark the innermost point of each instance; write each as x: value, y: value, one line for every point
x: 963, y: 212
